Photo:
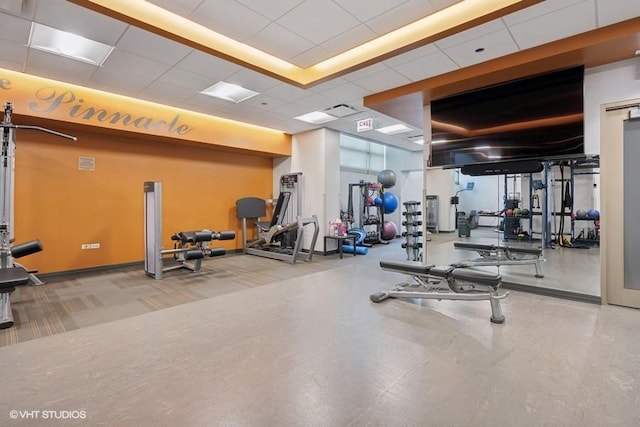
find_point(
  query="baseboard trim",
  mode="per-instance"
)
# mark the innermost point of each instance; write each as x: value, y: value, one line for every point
x: 70, y: 274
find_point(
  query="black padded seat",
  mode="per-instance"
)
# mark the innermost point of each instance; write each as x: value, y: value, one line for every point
x: 11, y: 277
x: 478, y: 277
x: 407, y: 267
x: 529, y: 251
x: 194, y: 236
x: 481, y: 247
x: 473, y: 246
x: 441, y: 271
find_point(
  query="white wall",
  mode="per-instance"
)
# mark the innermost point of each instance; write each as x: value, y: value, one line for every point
x: 609, y: 83
x: 317, y: 155
x: 440, y: 182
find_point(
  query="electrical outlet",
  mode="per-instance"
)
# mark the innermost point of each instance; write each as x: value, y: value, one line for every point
x: 85, y: 246
x: 94, y: 246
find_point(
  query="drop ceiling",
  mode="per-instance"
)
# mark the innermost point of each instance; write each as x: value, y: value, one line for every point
x: 303, y: 32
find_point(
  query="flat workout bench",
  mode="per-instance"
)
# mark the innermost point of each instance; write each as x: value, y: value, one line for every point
x: 492, y: 255
x: 462, y: 284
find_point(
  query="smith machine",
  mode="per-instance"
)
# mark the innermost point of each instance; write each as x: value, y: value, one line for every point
x: 13, y: 274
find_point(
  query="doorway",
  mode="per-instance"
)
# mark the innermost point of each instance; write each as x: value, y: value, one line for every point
x: 620, y: 156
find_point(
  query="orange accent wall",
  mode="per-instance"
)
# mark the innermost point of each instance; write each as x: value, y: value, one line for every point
x: 65, y: 207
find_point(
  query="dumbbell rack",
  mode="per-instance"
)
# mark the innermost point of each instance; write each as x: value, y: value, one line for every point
x: 413, y: 232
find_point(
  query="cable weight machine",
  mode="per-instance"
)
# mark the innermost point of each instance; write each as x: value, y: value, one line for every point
x: 13, y: 274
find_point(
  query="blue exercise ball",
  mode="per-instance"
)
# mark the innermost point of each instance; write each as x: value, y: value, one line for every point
x: 389, y: 202
x: 377, y: 201
x: 593, y: 213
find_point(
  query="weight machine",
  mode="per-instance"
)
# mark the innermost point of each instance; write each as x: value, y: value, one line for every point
x: 13, y: 274
x: 282, y: 237
x: 190, y: 247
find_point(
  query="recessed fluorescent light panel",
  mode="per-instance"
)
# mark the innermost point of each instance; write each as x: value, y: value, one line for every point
x: 394, y: 129
x: 69, y: 45
x: 316, y: 117
x: 229, y: 92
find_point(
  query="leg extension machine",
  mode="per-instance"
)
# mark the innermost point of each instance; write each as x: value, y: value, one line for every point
x: 492, y: 255
x: 461, y: 284
x: 189, y: 248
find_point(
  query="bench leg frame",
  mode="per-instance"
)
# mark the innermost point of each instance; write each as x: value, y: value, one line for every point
x: 423, y: 289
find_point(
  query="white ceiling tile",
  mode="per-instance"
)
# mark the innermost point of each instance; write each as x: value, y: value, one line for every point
x: 179, y: 7
x: 314, y: 102
x: 109, y: 80
x: 270, y: 40
x: 305, y: 105
x: 310, y: 57
x: 471, y: 34
x: 357, y: 103
x: 165, y: 93
x: 364, y: 10
x: 67, y: 16
x: 441, y: 4
x: 540, y: 9
x: 495, y: 45
x: 366, y: 71
x: 229, y: 18
x: 59, y: 68
x: 14, y: 29
x: 252, y: 80
x: 207, y: 65
x: 329, y: 84
x: 427, y: 66
x: 127, y: 64
x: 263, y: 102
x: 400, y: 16
x: 575, y: 19
x: 346, y: 92
x: 150, y: 46
x: 271, y: 9
x: 347, y: 40
x: 412, y: 55
x: 610, y: 12
x: 179, y: 77
x: 248, y: 114
x: 383, y: 80
x: 318, y: 20
x: 294, y: 126
x: 204, y: 102
x: 286, y: 92
x: 13, y: 55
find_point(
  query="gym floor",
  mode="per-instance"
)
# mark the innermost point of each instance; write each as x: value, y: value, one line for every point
x: 254, y: 341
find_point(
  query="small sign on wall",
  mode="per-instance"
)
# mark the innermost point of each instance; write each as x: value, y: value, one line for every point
x: 364, y: 124
x: 86, y: 163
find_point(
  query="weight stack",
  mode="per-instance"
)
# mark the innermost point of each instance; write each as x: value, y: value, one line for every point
x: 413, y: 230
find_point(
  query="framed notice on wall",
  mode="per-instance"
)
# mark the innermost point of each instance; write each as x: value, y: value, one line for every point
x: 86, y: 163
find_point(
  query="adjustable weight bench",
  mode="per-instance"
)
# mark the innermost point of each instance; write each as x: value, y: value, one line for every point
x: 492, y: 255
x: 461, y: 284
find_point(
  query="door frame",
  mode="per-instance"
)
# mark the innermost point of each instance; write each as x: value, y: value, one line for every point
x: 612, y: 234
